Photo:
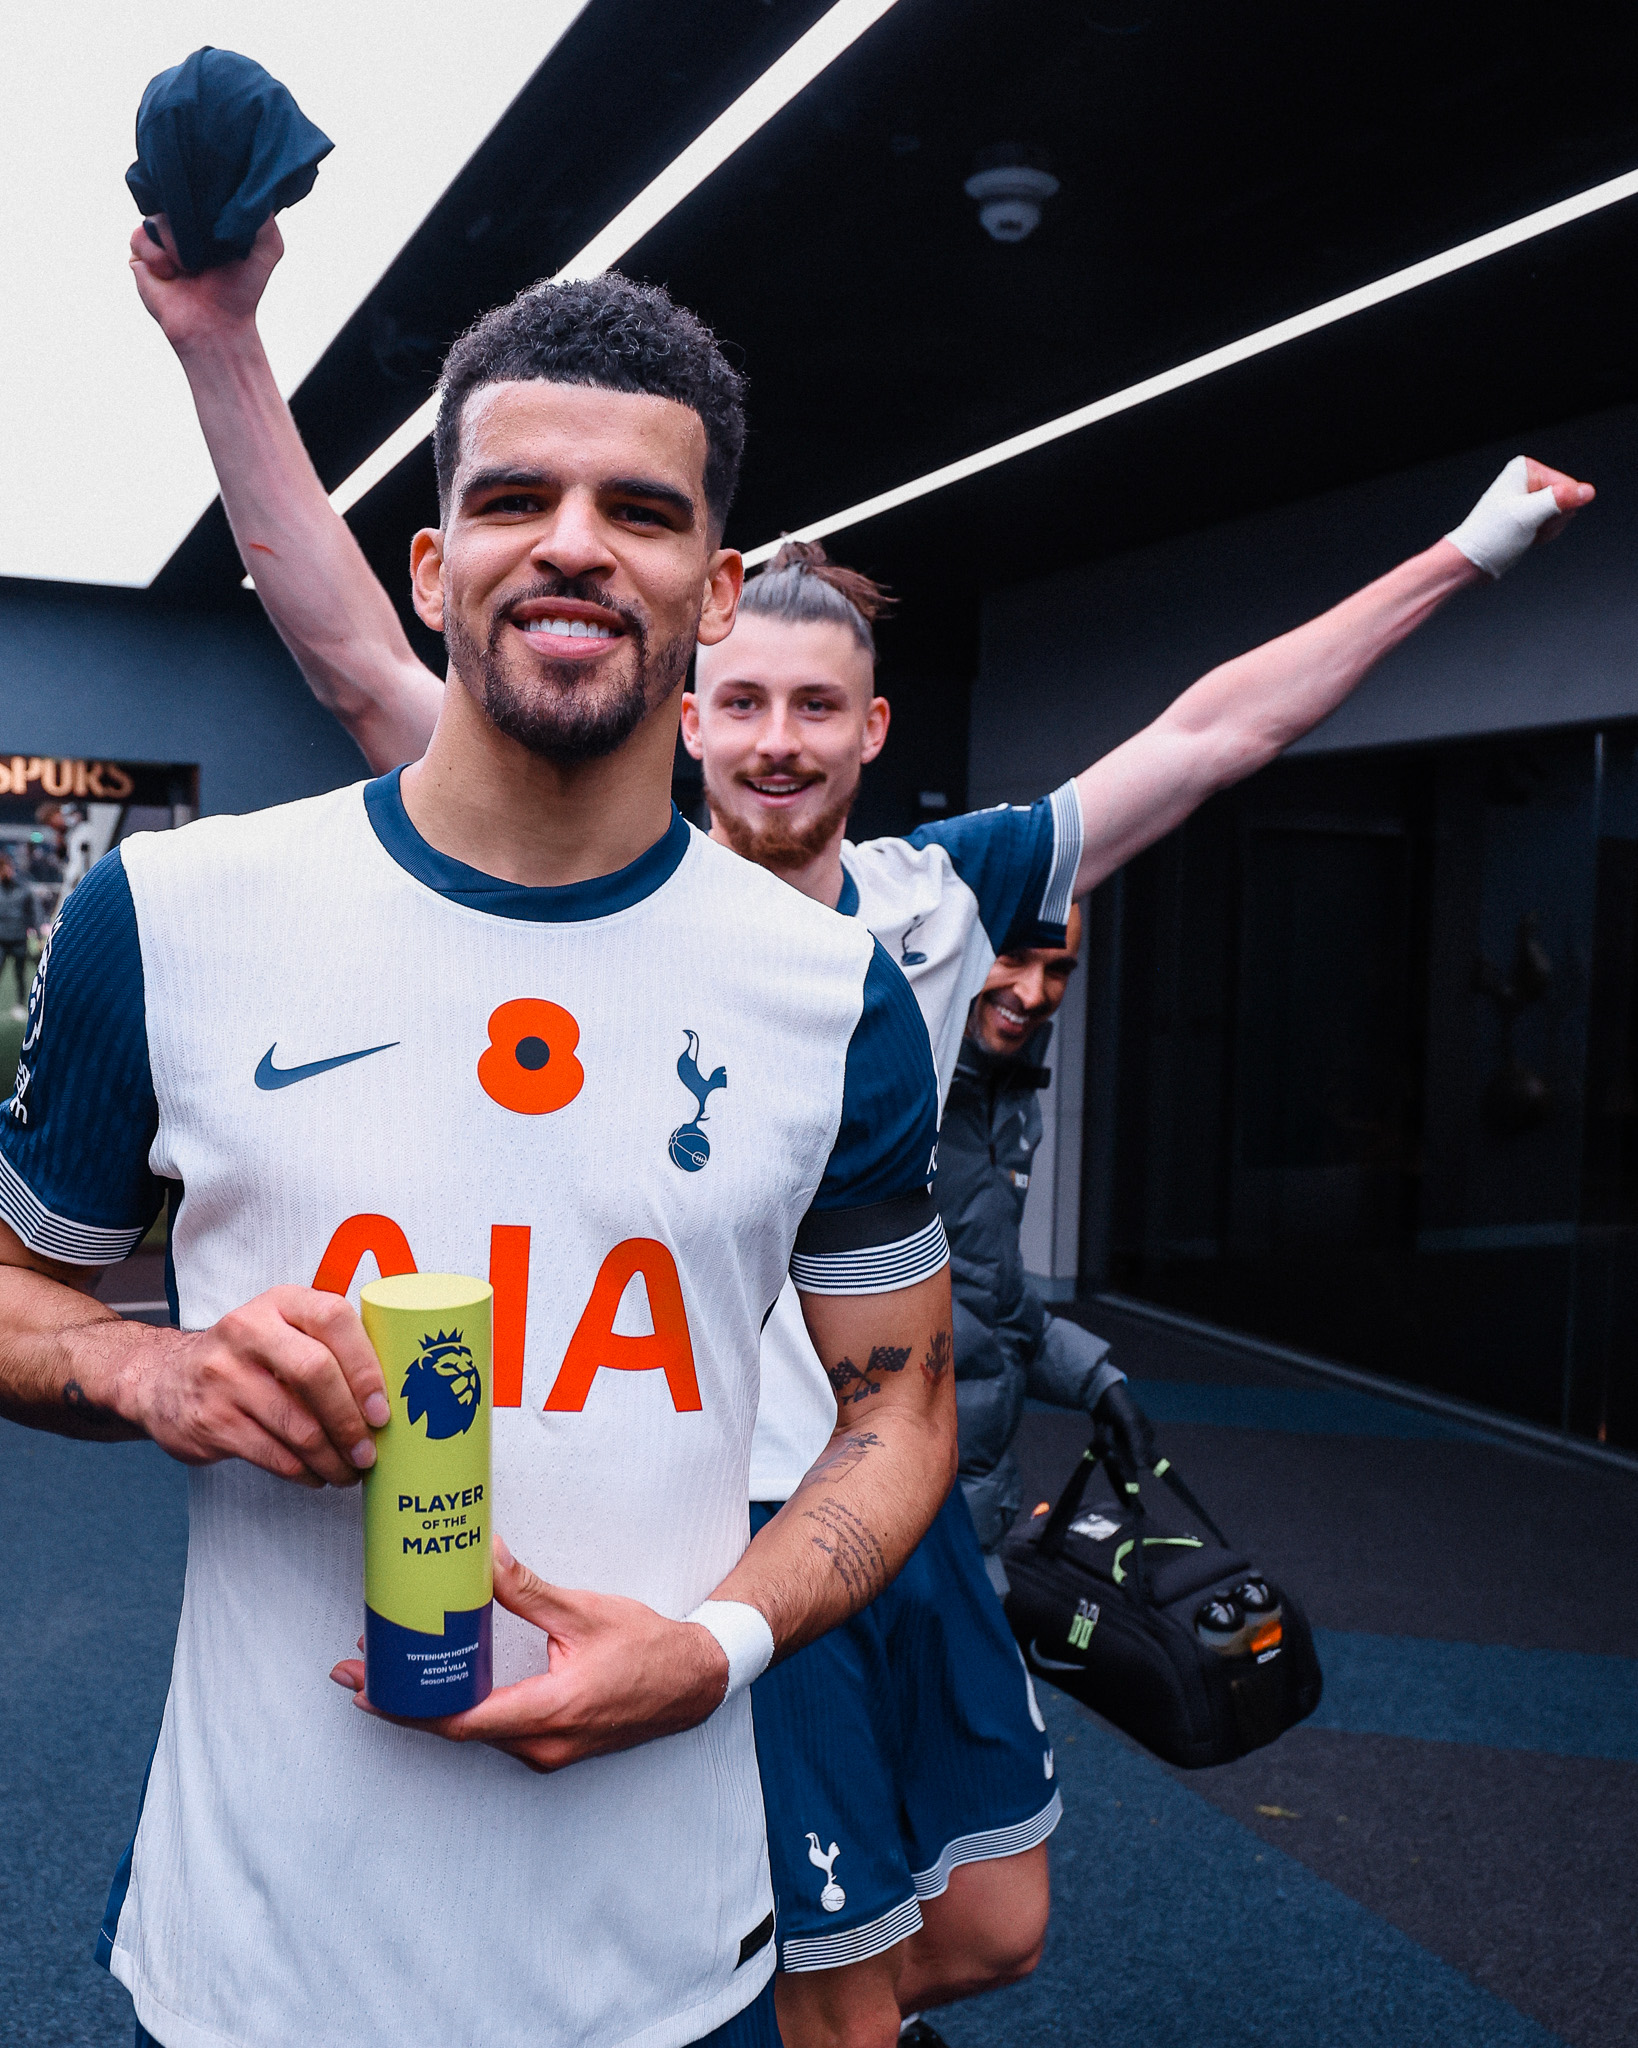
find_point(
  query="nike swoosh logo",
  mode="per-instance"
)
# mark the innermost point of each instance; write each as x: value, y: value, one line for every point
x: 270, y: 1076
x: 1052, y: 1663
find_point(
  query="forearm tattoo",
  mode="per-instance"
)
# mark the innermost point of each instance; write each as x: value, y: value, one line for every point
x: 855, y: 1555
x: 841, y: 1457
x: 853, y: 1385
x: 90, y: 1418
x: 937, y: 1361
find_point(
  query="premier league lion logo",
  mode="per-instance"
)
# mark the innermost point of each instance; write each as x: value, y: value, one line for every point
x: 442, y: 1384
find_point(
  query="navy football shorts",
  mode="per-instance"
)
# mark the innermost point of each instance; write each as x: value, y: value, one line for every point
x: 755, y: 2027
x: 901, y: 1744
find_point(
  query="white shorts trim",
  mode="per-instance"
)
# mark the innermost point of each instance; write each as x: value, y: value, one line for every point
x: 857, y: 1944
x: 982, y: 1848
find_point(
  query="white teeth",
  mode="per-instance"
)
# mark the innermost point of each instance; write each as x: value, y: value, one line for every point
x: 569, y: 629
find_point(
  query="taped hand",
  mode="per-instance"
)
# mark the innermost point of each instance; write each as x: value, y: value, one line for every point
x: 1510, y: 517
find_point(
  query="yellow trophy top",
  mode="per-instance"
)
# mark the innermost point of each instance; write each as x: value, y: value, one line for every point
x: 427, y: 1293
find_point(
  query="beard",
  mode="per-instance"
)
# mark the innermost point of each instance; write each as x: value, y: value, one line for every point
x: 558, y: 711
x: 772, y: 843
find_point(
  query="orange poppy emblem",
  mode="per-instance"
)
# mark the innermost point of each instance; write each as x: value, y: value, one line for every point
x: 529, y: 1064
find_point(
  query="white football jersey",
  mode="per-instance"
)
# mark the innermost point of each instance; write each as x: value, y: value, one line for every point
x: 630, y: 1103
x: 943, y: 903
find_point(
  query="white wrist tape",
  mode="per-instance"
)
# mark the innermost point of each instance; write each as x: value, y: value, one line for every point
x: 746, y: 1639
x: 1505, y: 522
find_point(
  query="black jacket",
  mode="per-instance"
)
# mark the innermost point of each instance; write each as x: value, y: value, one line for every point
x: 18, y: 912
x: 1007, y: 1344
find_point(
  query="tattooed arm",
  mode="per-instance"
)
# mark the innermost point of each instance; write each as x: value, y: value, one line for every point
x: 283, y: 1382
x: 881, y: 1479
x: 43, y: 1384
x: 620, y: 1674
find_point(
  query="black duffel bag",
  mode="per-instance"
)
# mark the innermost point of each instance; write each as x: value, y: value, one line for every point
x: 1175, y: 1637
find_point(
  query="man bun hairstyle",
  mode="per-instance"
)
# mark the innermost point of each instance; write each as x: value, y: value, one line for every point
x: 802, y: 586
x: 612, y: 334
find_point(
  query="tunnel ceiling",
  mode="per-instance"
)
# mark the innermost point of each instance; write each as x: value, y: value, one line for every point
x: 1218, y: 169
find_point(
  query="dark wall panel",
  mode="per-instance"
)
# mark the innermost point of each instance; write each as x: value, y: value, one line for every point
x: 108, y: 672
x: 1075, y: 663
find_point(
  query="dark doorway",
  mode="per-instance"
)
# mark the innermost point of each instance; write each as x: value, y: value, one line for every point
x: 1377, y: 1087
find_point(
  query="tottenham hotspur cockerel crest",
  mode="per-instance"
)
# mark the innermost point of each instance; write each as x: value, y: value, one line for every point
x: 442, y: 1384
x: 689, y: 1147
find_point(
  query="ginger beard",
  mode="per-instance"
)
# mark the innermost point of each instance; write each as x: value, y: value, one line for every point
x: 775, y: 842
x: 568, y: 711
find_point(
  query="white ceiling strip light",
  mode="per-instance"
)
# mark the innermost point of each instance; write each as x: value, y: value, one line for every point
x: 1198, y: 367
x: 811, y: 54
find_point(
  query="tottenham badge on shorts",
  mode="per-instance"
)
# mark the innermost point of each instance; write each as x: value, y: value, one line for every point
x: 428, y: 1574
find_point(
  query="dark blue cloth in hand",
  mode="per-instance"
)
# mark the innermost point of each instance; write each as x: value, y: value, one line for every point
x: 221, y: 145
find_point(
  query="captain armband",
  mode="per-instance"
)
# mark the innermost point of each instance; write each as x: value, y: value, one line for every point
x: 872, y: 1250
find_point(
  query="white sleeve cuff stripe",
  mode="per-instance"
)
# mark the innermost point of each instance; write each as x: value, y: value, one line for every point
x: 1068, y: 833
x: 59, y: 1237
x: 880, y: 1269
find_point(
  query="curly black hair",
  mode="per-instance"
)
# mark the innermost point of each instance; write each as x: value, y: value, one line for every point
x: 612, y: 333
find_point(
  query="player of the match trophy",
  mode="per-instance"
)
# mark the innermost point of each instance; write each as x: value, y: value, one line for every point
x: 428, y: 1574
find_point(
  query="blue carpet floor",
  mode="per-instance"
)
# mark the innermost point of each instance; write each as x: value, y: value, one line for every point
x: 95, y: 1538
x: 1175, y: 1927
x: 1442, y: 1856
x: 1559, y: 1702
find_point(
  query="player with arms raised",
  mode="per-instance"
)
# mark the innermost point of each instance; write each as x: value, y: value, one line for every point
x: 448, y: 1036
x: 938, y: 1887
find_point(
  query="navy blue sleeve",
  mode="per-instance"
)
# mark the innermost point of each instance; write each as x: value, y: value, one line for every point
x: 873, y: 1226
x: 1019, y: 860
x: 74, y: 1139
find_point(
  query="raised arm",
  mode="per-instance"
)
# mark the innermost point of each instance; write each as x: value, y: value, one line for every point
x: 310, y: 574
x: 1239, y: 717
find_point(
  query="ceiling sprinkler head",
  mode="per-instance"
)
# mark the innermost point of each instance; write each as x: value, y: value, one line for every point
x: 1011, y: 184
